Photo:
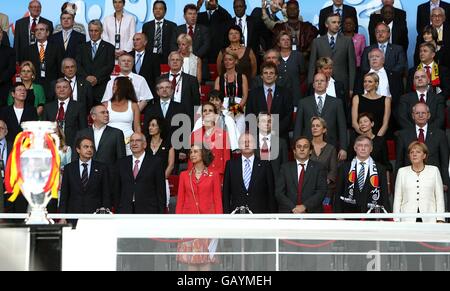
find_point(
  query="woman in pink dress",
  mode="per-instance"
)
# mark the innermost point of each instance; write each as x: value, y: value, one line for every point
x: 359, y: 40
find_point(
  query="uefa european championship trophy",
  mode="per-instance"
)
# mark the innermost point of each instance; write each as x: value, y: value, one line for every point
x: 33, y: 168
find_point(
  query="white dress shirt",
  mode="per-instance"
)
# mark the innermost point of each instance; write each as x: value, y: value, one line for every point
x: 268, y: 141
x: 424, y: 97
x: 18, y: 112
x: 98, y: 133
x: 266, y: 91
x: 244, y: 28
x: 126, y: 28
x: 425, y: 129
x: 251, y: 159
x: 66, y: 103
x: 391, y: 27
x: 178, y: 88
x: 45, y: 43
x: 89, y: 163
x: 73, y: 84
x: 299, y: 168
x: 140, y: 85
x: 324, y: 96
x: 358, y: 168
x: 331, y: 35
x: 140, y: 159
x: 383, y: 86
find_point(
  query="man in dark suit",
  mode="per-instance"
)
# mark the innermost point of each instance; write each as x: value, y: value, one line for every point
x: 301, y: 185
x: 4, y: 41
x: 247, y: 24
x: 270, y: 147
x: 95, y: 60
x: 438, y: 84
x: 81, y: 89
x: 439, y: 22
x: 424, y: 11
x: 141, y: 179
x: 24, y: 33
x: 359, y: 187
x: 264, y: 34
x: 273, y: 99
x: 146, y: 63
x: 85, y: 183
x: 330, y: 109
x: 340, y: 49
x: 340, y: 8
x: 399, y: 31
x: 201, y: 40
x: 46, y: 58
x: 249, y: 181
x: 163, y: 107
x: 215, y: 19
x: 394, y: 55
x: 5, y: 149
x: 161, y: 42
x: 422, y: 131
x: 70, y: 115
x: 11, y: 118
x: 68, y: 38
x: 399, y: 13
x: 7, y: 68
x: 108, y: 141
x: 185, y: 86
x: 435, y: 102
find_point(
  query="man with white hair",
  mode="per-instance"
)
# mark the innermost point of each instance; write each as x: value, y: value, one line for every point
x: 424, y: 12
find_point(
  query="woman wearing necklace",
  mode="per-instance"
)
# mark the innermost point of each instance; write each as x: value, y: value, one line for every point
x: 213, y: 138
x: 35, y: 92
x: 199, y: 192
x: 418, y: 188
x: 247, y: 60
x: 160, y: 147
x: 379, y: 106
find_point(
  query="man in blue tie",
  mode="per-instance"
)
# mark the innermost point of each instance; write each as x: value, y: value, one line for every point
x: 339, y: 8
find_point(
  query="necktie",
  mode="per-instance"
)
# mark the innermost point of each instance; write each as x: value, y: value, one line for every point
x: 240, y: 23
x: 247, y: 173
x: 136, y: 169
x: 265, y: 150
x: 164, y: 108
x: 332, y: 43
x: 158, y: 38
x: 138, y: 62
x: 61, y: 113
x: 269, y: 99
x: 174, y: 80
x: 440, y: 35
x: 33, y: 26
x: 422, y: 98
x: 209, y: 14
x: 361, y: 178
x: 94, y: 50
x: 41, y: 53
x: 84, y: 176
x: 428, y: 69
x: 421, y: 138
x: 319, y: 106
x: 383, y: 48
x: 65, y: 39
x: 300, y: 184
x: 191, y: 31
x: 338, y: 11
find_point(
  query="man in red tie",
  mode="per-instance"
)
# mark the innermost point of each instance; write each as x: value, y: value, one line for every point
x: 301, y: 184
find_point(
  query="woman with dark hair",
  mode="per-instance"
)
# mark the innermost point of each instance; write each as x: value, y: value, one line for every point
x: 359, y: 40
x: 379, y: 153
x: 124, y: 113
x: 429, y: 34
x: 199, y: 192
x: 160, y: 147
x: 247, y: 61
x: 292, y: 63
x: 213, y: 138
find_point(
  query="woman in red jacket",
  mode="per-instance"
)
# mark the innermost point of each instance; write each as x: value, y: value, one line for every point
x: 214, y: 138
x: 199, y: 192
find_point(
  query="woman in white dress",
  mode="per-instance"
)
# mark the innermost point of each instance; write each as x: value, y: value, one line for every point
x: 418, y: 188
x: 192, y: 65
x: 119, y: 29
x: 124, y: 113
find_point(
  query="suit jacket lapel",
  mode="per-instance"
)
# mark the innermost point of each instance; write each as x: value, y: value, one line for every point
x: 142, y: 166
x: 70, y: 109
x: 308, y: 173
x: 326, y: 44
x: 103, y: 138
x: 263, y: 99
x: 255, y: 172
x: 314, y: 105
x: 327, y: 104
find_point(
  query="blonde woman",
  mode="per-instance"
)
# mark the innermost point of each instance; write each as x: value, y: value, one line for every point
x: 192, y: 64
x: 419, y: 188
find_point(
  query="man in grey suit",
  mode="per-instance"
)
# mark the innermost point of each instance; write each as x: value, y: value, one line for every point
x: 302, y: 184
x: 109, y: 142
x: 340, y: 49
x: 435, y: 102
x: 329, y: 108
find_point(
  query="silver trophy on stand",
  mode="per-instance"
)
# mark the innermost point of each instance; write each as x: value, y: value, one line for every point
x: 33, y: 169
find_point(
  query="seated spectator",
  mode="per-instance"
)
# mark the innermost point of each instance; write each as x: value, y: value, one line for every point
x: 192, y: 64
x: 371, y: 102
x: 124, y: 110
x: 35, y: 92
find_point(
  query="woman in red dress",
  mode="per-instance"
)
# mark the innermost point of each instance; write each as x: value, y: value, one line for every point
x: 199, y: 192
x: 213, y: 138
